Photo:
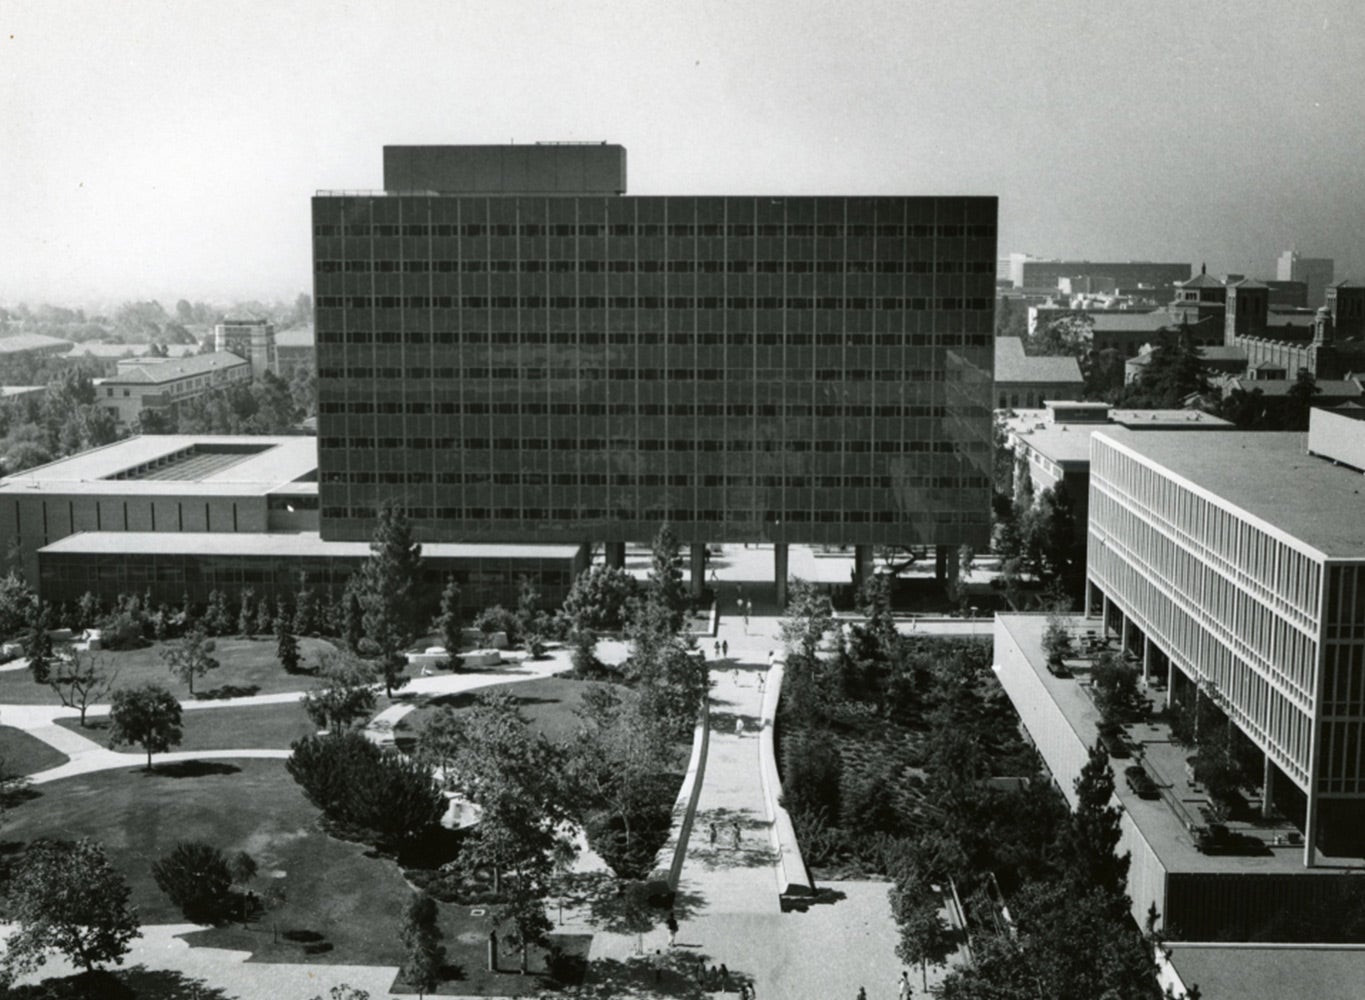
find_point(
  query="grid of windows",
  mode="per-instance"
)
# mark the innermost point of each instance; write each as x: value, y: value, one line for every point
x: 1234, y: 605
x: 524, y: 368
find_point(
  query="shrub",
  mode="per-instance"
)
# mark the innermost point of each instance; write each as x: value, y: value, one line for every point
x: 633, y: 858
x: 122, y: 630
x: 564, y: 967
x: 196, y: 878
x: 810, y: 773
x: 497, y: 619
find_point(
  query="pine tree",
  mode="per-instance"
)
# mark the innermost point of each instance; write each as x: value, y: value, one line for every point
x: 264, y: 620
x: 355, y: 620
x: 246, y: 619
x: 286, y: 646
x: 388, y: 592
x: 1095, y: 826
x: 665, y: 586
x: 448, y: 622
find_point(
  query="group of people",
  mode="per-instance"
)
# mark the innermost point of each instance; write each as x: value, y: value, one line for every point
x: 718, y: 978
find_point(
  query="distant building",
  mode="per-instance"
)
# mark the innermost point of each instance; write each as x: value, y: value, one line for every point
x: 160, y: 385
x: 19, y: 344
x: 1034, y: 272
x: 295, y: 349
x: 1216, y: 360
x: 8, y: 392
x: 1317, y: 273
x: 252, y: 339
x: 1329, y: 343
x: 1024, y: 381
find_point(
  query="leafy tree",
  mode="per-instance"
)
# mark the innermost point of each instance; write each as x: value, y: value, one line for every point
x: 925, y: 939
x: 618, y: 763
x: 1300, y: 402
x: 599, y: 599
x: 439, y: 740
x: 67, y: 897
x: 148, y: 716
x: 218, y: 619
x: 286, y: 646
x: 1095, y: 826
x: 1066, y: 336
x: 1056, y: 640
x: 362, y: 786
x: 246, y: 617
x: 345, y: 696
x: 196, y: 877
x: 673, y: 678
x: 305, y: 610
x: 515, y: 776
x: 80, y: 679
x: 242, y: 868
x: 264, y: 622
x: 17, y: 603
x: 1116, y: 690
x: 497, y: 619
x: 422, y: 943
x: 811, y: 773
x: 388, y: 589
x: 664, y: 586
x: 190, y: 656
x: 1174, y: 371
x: 809, y: 616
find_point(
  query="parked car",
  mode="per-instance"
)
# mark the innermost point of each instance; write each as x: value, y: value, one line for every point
x: 1140, y: 782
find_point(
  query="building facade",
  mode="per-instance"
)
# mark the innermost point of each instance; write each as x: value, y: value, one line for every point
x: 252, y: 339
x: 1206, y: 546
x: 162, y: 385
x: 519, y: 352
x: 1027, y: 271
x: 1316, y: 273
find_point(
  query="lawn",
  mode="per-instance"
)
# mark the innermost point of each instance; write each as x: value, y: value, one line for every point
x: 344, y: 905
x: 548, y: 705
x: 23, y: 754
x: 249, y: 727
x: 246, y: 667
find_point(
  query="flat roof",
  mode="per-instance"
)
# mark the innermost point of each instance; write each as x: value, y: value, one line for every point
x: 1013, y: 365
x: 283, y: 460
x: 16, y: 343
x: 1268, y: 475
x: 1270, y: 971
x: 299, y: 336
x: 1065, y: 444
x: 157, y: 370
x: 281, y: 545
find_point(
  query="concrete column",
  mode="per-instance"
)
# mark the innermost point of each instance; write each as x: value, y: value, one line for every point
x: 941, y: 562
x: 1267, y: 789
x: 1104, y: 615
x: 698, y: 567
x: 954, y: 570
x: 1146, y: 661
x: 862, y: 564
x: 1310, y: 828
x: 616, y: 554
x: 1089, y: 599
x: 780, y: 573
x: 1170, y: 681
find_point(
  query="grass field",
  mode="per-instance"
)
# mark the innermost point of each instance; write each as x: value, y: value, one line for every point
x: 24, y: 754
x: 258, y: 727
x: 548, y: 705
x: 343, y: 903
x: 246, y: 667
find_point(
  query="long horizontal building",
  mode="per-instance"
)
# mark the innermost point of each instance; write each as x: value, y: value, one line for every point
x: 1239, y: 560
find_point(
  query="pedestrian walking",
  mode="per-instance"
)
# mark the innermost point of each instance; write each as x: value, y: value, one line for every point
x: 701, y: 972
x: 712, y: 831
x: 658, y: 965
x: 734, y: 832
x: 672, y: 924
x: 724, y: 978
x: 862, y: 993
x: 739, y: 727
x: 713, y: 979
x: 771, y: 656
x: 716, y: 648
x: 725, y: 647
x: 762, y: 680
x: 903, y: 988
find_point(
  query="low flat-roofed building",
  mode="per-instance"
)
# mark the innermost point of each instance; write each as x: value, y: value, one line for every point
x: 1236, y: 560
x: 32, y: 343
x: 1024, y: 381
x: 295, y: 349
x: 164, y: 483
x: 1263, y: 971
x: 194, y: 564
x: 8, y: 392
x: 164, y: 384
x: 249, y: 338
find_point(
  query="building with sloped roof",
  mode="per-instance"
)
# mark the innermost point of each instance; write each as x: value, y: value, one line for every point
x: 1024, y: 381
x: 32, y: 343
x: 160, y: 385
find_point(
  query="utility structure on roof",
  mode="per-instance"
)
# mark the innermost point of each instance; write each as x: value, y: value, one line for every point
x: 518, y: 352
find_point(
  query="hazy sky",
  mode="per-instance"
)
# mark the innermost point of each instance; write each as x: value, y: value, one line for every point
x: 169, y: 150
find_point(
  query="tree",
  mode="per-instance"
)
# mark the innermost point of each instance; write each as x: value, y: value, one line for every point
x: 448, y: 621
x: 305, y: 610
x: 190, y: 656
x: 148, y: 716
x: 265, y: 623
x: 531, y: 620
x: 599, y: 599
x: 217, y: 619
x: 246, y: 618
x: 353, y: 622
x: 1115, y: 687
x: 422, y: 943
x: 1301, y: 395
x: 515, y: 777
x: 80, y: 679
x: 346, y: 695
x: 196, y: 878
x: 1066, y: 336
x: 38, y: 645
x: 67, y: 897
x: 1095, y: 826
x: 17, y: 603
x: 1056, y: 641
x: 388, y: 591
x: 242, y: 868
x: 925, y: 939
x: 809, y: 616
x: 618, y: 764
x: 672, y: 675
x: 286, y: 646
x: 1174, y: 371
x: 664, y: 586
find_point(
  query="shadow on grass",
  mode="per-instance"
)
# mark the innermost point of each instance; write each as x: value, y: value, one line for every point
x: 228, y: 691
x: 189, y: 769
x: 124, y: 984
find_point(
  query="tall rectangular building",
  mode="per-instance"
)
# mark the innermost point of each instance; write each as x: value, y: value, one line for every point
x: 517, y: 351
x: 1315, y: 272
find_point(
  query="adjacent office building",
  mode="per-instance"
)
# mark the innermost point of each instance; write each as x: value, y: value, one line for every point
x: 1315, y: 272
x: 518, y: 351
x: 1239, y: 560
